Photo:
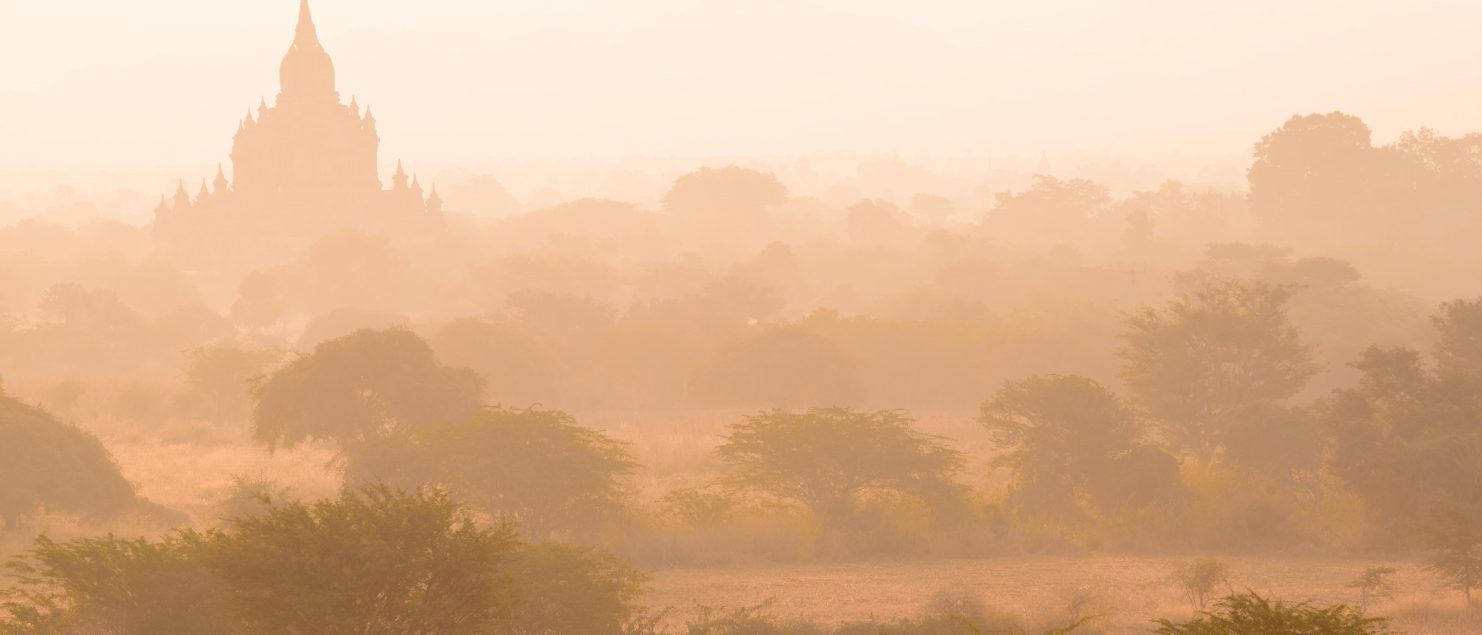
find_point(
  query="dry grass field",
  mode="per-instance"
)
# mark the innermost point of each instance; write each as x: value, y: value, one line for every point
x: 1043, y: 591
x: 190, y: 469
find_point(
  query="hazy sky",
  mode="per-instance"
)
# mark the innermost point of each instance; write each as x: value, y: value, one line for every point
x: 164, y: 82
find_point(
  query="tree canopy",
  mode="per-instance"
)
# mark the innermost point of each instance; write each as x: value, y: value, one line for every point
x: 362, y: 387
x: 537, y: 468
x: 44, y: 462
x: 1219, y: 347
x: 827, y: 459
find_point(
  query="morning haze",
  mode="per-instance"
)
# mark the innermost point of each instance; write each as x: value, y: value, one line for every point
x: 724, y: 318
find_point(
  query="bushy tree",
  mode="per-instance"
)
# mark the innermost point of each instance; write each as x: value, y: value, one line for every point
x: 828, y: 459
x: 46, y: 462
x: 362, y: 387
x: 376, y: 560
x: 727, y: 194
x: 1068, y: 438
x: 538, y: 468
x: 1218, y: 348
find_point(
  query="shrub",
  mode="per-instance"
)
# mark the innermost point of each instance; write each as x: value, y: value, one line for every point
x: 1249, y: 614
x: 537, y: 468
x: 1200, y: 578
x: 46, y: 462
x: 116, y: 586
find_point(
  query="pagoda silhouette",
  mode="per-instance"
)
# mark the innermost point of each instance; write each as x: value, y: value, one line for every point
x: 302, y: 168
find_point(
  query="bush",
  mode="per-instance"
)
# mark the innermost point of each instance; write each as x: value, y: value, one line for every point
x: 375, y: 561
x: 565, y: 589
x: 1249, y: 614
x: 1200, y: 578
x: 537, y: 468
x: 44, y: 462
x: 116, y: 586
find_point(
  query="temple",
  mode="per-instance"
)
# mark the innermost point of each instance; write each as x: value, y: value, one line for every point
x: 307, y: 162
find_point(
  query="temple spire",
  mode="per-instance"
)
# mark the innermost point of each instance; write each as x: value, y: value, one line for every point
x: 399, y: 180
x: 220, y: 183
x: 305, y: 35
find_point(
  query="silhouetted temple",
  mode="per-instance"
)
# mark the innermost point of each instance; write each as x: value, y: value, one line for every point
x: 305, y: 165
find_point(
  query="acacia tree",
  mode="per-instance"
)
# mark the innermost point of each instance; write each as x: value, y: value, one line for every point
x: 361, y: 387
x: 1217, y: 349
x: 1067, y: 438
x: 828, y: 459
x: 537, y: 468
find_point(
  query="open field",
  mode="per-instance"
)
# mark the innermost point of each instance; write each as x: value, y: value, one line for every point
x: 1128, y: 592
x: 190, y: 469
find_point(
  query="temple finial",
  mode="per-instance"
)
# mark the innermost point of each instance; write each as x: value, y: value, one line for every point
x: 305, y: 35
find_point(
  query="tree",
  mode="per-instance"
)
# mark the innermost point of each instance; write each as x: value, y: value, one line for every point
x: 44, y: 462
x: 1458, y: 352
x: 1455, y: 537
x: 1248, y: 613
x: 827, y: 459
x: 217, y: 380
x: 1066, y: 437
x: 374, y: 561
x: 1406, y: 437
x: 1320, y: 172
x: 1374, y: 582
x: 537, y: 468
x: 724, y: 194
x: 116, y: 586
x: 1050, y: 206
x: 565, y: 589
x: 359, y: 388
x: 1220, y: 347
x: 1200, y: 579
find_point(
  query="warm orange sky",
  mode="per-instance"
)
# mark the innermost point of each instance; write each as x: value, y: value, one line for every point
x: 163, y: 82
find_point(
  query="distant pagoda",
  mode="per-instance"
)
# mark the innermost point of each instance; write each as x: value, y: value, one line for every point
x: 308, y: 161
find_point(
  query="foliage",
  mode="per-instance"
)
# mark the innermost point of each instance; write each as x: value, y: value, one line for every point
x: 1199, y: 580
x: 1409, y: 427
x: 116, y: 586
x: 1455, y: 537
x: 1219, y: 347
x: 217, y: 380
x: 828, y: 459
x: 46, y: 462
x: 956, y: 616
x: 729, y: 193
x: 362, y: 387
x: 564, y: 589
x: 374, y: 561
x: 250, y: 496
x: 1248, y: 613
x: 1067, y: 438
x: 537, y: 468
x: 1374, y: 583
